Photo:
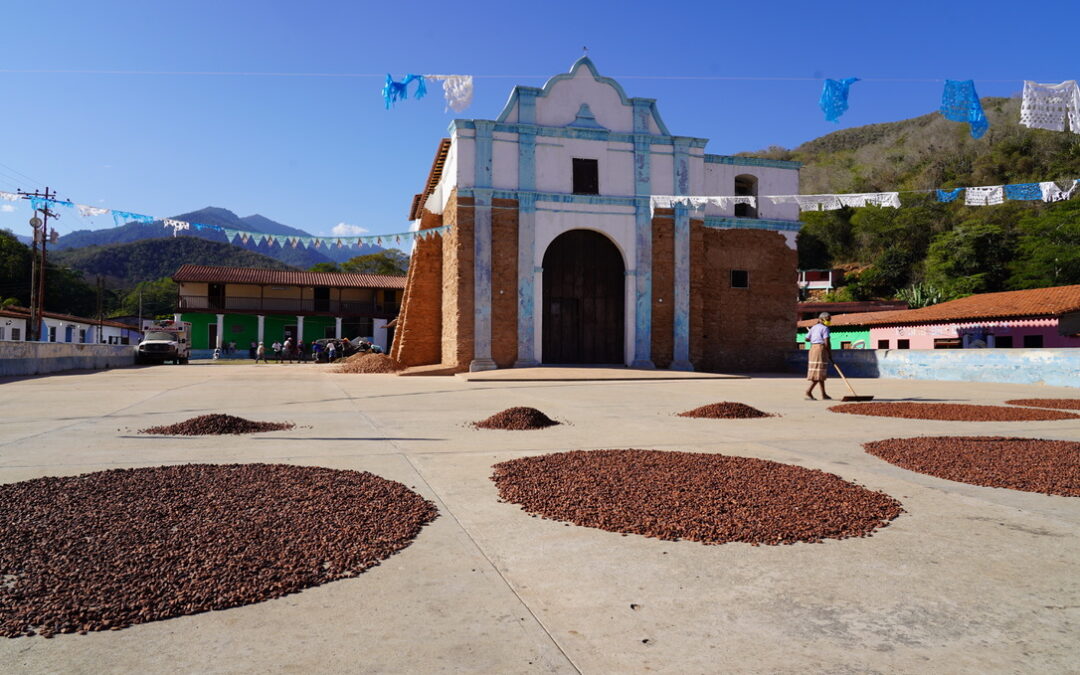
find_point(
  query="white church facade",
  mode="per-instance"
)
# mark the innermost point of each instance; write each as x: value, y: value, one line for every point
x: 555, y: 253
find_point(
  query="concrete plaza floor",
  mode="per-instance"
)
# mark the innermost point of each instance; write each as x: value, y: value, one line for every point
x: 968, y: 580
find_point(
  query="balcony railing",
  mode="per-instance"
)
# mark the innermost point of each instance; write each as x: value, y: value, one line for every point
x: 232, y: 303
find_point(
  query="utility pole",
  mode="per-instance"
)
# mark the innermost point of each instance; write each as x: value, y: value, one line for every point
x: 37, y: 280
x: 100, y: 313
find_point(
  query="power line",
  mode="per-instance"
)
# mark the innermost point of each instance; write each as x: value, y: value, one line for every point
x: 20, y: 173
x: 223, y: 73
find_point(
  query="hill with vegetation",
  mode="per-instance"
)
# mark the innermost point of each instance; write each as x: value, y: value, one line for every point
x: 934, y: 249
x: 125, y: 265
x: 300, y: 256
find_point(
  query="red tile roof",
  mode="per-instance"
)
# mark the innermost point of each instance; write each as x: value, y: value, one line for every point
x: 239, y: 275
x: 1005, y: 305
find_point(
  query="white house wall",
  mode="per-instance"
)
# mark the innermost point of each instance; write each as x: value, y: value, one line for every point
x: 719, y: 179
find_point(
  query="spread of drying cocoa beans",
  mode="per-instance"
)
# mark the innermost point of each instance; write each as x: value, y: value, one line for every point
x: 1057, y: 403
x: 110, y: 549
x: 206, y: 425
x: 1028, y: 464
x: 517, y: 419
x: 725, y: 410
x: 369, y: 364
x: 702, y: 497
x: 953, y: 412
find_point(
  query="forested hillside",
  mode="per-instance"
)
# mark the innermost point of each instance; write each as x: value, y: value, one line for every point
x: 946, y: 249
x: 124, y: 265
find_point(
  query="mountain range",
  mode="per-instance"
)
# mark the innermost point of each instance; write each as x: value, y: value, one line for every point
x: 301, y: 257
x: 124, y: 265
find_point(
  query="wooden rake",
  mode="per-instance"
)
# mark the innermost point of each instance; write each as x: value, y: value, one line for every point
x: 854, y: 396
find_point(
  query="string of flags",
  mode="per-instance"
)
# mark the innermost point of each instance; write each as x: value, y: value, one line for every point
x: 1047, y: 191
x: 457, y: 89
x: 246, y: 236
x: 1044, y: 106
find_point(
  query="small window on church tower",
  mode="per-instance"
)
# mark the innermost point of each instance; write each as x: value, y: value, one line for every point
x: 586, y: 176
x: 740, y: 279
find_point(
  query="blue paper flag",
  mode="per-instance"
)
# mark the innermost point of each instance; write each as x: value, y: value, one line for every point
x: 395, y: 91
x: 834, y: 97
x: 949, y: 195
x: 960, y: 103
x: 1028, y: 191
x: 123, y: 217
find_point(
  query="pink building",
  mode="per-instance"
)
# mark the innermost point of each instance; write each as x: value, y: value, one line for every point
x: 1041, y: 317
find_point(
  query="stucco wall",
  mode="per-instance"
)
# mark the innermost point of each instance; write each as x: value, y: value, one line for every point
x: 38, y: 358
x: 1055, y: 367
x: 922, y: 337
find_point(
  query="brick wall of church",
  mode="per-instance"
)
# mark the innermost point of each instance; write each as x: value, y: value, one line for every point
x: 741, y: 329
x: 457, y: 283
x: 504, y: 281
x: 663, y: 289
x: 418, y: 336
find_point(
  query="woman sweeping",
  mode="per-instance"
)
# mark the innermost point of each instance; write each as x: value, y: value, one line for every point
x: 817, y: 369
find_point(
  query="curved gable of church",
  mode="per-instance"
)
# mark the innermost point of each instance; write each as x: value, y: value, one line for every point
x: 583, y: 98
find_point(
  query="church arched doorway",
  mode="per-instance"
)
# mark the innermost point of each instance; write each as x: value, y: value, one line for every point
x: 584, y: 296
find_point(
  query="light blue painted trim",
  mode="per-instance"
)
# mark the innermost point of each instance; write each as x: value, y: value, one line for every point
x: 642, y: 109
x: 591, y: 213
x: 526, y: 162
x: 561, y: 197
x: 481, y: 281
x: 681, y: 166
x: 643, y: 244
x: 574, y: 132
x: 681, y: 328
x: 585, y: 119
x: 526, y: 327
x: 526, y: 98
x: 483, y: 143
x: 751, y: 161
x: 729, y: 223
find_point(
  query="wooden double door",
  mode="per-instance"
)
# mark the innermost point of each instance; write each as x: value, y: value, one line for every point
x: 584, y: 296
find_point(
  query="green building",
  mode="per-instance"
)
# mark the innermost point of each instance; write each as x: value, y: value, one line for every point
x: 840, y: 337
x: 234, y: 305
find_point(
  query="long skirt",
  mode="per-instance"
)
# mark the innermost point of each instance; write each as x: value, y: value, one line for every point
x: 817, y: 368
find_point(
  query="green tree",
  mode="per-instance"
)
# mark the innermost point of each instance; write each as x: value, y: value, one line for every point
x: 973, y: 258
x: 14, y: 268
x: 158, y: 298
x: 391, y: 262
x: 325, y: 267
x: 1048, y: 250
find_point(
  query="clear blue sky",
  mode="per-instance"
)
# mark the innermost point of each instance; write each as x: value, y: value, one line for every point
x: 313, y: 152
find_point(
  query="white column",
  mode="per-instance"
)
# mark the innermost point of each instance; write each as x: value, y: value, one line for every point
x: 220, y: 330
x: 337, y: 327
x: 299, y: 328
x: 262, y: 327
x: 176, y: 318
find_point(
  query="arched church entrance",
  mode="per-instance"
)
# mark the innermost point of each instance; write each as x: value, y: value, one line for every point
x: 583, y: 317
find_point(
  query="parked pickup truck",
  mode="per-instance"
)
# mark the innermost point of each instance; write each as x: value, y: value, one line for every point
x: 165, y: 341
